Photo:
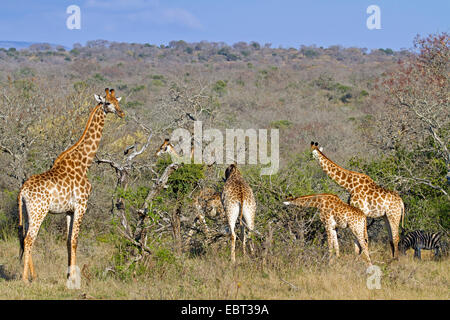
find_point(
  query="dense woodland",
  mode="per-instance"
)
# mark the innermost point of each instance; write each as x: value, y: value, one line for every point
x: 381, y: 112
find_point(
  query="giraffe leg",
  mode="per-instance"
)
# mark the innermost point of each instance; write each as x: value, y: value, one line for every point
x: 32, y: 232
x: 28, y: 268
x: 335, y: 242
x: 69, y: 222
x: 244, y: 238
x: 365, y: 250
x: 73, y: 275
x: 388, y: 227
x: 233, y: 214
x: 26, y: 259
x: 358, y: 248
x: 249, y: 214
x: 361, y: 236
x: 31, y: 266
x: 392, y: 223
x: 332, y: 240
x: 233, y: 246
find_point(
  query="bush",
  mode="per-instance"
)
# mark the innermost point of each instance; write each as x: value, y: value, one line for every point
x: 220, y: 87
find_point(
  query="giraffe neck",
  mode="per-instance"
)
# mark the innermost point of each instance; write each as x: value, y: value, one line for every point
x: 341, y: 176
x: 311, y: 201
x: 84, y: 150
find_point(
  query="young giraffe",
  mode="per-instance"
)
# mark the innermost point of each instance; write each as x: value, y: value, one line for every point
x: 365, y: 194
x: 65, y: 187
x: 238, y: 200
x: 334, y: 213
x: 207, y: 201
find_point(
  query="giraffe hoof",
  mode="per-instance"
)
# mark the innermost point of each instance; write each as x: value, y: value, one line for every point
x: 26, y: 281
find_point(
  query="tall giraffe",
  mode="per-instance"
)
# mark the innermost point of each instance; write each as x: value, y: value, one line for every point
x: 374, y: 200
x: 65, y: 187
x: 334, y: 213
x: 238, y: 200
x: 207, y: 201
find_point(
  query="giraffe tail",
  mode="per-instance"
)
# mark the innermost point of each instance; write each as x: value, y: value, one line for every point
x: 403, y: 214
x: 20, y: 228
x: 241, y: 211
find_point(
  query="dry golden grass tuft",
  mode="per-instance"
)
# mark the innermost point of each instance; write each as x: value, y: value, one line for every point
x: 293, y: 275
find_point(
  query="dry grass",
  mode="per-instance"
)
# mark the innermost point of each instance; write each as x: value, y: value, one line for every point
x: 283, y: 276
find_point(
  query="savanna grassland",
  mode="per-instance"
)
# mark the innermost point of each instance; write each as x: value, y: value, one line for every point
x: 381, y: 112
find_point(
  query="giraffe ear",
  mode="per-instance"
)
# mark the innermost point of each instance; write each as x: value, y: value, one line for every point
x: 321, y: 149
x: 99, y: 99
x: 119, y: 98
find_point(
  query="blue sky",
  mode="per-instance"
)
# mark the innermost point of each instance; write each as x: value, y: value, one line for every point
x: 289, y: 23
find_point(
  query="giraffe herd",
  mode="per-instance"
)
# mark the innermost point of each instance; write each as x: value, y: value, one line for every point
x: 65, y: 188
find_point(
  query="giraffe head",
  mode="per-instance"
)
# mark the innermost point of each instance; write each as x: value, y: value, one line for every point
x: 166, y: 147
x: 232, y: 168
x: 110, y: 102
x: 315, y: 149
x: 288, y: 201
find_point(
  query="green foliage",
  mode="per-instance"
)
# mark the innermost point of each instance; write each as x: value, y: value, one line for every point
x: 310, y: 53
x: 387, y: 51
x: 342, y: 88
x: 281, y: 124
x: 426, y: 207
x: 157, y: 83
x: 99, y: 77
x: 220, y: 87
x: 339, y: 91
x: 157, y: 77
x: 138, y: 88
x: 26, y: 86
x: 255, y: 45
x: 25, y: 72
x: 75, y: 52
x: 164, y: 257
x: 182, y: 181
x: 133, y: 197
x: 133, y: 104
x: 80, y: 86
x: 363, y: 93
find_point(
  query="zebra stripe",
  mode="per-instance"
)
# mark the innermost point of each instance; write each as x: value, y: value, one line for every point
x: 419, y: 239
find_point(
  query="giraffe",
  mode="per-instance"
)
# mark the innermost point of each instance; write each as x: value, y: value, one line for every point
x: 374, y: 200
x: 206, y: 202
x: 334, y: 213
x: 64, y: 188
x: 238, y: 200
x: 168, y: 147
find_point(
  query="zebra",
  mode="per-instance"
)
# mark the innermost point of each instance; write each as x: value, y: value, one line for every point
x: 420, y: 239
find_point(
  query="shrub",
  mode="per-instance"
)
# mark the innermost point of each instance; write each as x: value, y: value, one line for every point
x: 220, y: 87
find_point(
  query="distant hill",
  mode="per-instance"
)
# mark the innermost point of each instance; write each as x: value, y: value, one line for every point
x: 15, y: 44
x: 23, y: 44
